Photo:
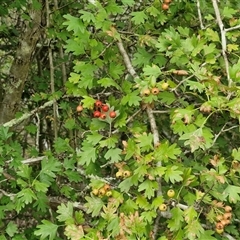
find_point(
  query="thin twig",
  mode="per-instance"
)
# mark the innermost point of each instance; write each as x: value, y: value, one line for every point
x: 52, y: 80
x: 200, y: 15
x: 223, y: 40
x: 126, y: 59
x: 25, y: 116
x: 232, y: 28
x: 153, y: 125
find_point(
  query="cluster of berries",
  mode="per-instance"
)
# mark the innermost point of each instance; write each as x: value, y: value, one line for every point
x: 223, y: 219
x: 103, y: 110
x: 165, y: 5
x: 103, y: 191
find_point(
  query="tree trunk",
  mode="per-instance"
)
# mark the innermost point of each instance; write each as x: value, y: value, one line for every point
x: 12, y: 92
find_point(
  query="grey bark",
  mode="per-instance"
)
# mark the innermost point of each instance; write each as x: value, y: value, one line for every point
x: 14, y: 85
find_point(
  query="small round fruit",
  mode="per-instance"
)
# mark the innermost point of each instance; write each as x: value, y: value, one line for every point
x: 228, y: 209
x: 103, y: 116
x: 98, y: 103
x: 112, y: 114
x: 79, y: 108
x: 96, y: 114
x: 225, y: 222
x: 105, y: 108
x: 171, y: 193
x: 167, y: 1
x: 165, y: 86
x: 109, y: 193
x: 227, y: 215
x: 119, y: 174
x: 95, y: 191
x: 101, y: 192
x: 165, y: 6
x: 163, y: 207
x: 106, y: 187
x: 219, y: 225
x: 219, y: 231
x: 146, y: 92
x: 126, y: 174
x: 219, y: 218
x: 155, y: 91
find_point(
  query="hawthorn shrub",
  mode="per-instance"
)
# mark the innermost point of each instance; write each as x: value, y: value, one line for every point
x: 152, y: 105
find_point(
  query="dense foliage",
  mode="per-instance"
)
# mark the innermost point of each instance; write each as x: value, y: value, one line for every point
x: 128, y: 126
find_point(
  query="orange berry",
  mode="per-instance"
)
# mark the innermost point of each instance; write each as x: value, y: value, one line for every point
x: 165, y: 7
x: 79, y: 108
x: 155, y: 91
x: 219, y: 225
x: 228, y: 209
x: 227, y: 216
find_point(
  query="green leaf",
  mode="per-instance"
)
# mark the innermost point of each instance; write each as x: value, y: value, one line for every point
x: 47, y: 230
x: 175, y: 222
x: 62, y: 145
x: 94, y: 138
x: 73, y: 45
x: 167, y: 97
x: 116, y: 71
x: 74, y: 232
x: 145, y: 142
x: 207, y: 234
x: 70, y: 124
x: 126, y: 184
x: 229, y: 12
x: 153, y: 70
x: 50, y: 166
x: 132, y: 99
x: 11, y: 229
x: 128, y: 2
x: 114, y: 226
x: 110, y: 142
x: 139, y: 17
x: 74, y: 24
x: 88, y: 102
x: 141, y: 57
x: 114, y: 154
x: 87, y: 16
x: 24, y: 171
x: 149, y: 188
x: 26, y: 195
x: 65, y: 213
x: 194, y: 230
x: 94, y: 205
x: 190, y: 214
x: 172, y: 174
x: 40, y: 186
x: 108, y: 82
x: 87, y: 154
x: 232, y: 192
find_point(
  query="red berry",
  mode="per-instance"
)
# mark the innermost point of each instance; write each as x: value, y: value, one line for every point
x: 98, y: 103
x: 103, y: 116
x: 96, y: 114
x: 105, y: 108
x: 112, y: 114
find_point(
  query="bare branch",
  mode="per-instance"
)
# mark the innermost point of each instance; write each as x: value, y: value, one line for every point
x: 232, y: 28
x: 200, y: 15
x: 223, y: 39
x: 126, y: 59
x: 153, y: 125
x: 25, y: 116
x: 52, y: 80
